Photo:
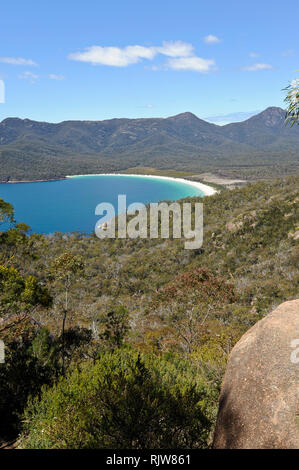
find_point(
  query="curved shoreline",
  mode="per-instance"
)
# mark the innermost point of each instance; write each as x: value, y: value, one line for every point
x: 207, y: 190
x: 30, y: 181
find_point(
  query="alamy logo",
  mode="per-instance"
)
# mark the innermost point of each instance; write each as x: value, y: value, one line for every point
x: 147, y: 223
x: 2, y: 92
x: 2, y: 352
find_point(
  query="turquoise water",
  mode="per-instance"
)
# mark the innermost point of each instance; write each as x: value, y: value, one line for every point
x: 69, y: 205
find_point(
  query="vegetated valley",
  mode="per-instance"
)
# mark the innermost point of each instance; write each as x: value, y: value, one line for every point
x: 123, y: 343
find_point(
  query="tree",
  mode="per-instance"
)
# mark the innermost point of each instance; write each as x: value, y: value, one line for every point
x: 292, y: 100
x: 116, y: 325
x: 19, y: 294
x: 190, y: 304
x: 6, y: 213
x: 14, y: 238
x: 24, y: 371
x: 66, y: 268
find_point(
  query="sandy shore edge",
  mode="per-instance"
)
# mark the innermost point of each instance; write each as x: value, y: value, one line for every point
x: 207, y: 190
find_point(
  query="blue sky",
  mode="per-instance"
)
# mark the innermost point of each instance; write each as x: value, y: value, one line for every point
x: 97, y: 60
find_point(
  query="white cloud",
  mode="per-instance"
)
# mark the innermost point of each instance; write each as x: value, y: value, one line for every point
x: 253, y: 54
x: 17, y: 61
x: 256, y: 67
x: 181, y: 56
x: 114, y: 56
x: 193, y: 63
x: 52, y: 76
x: 175, y: 49
x: 122, y: 57
x: 31, y: 77
x: 211, y: 39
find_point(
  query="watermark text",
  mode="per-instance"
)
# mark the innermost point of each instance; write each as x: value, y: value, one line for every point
x: 160, y: 219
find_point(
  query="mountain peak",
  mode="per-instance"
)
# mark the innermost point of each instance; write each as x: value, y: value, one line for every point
x: 184, y: 116
x: 273, y: 109
x: 11, y: 119
x: 270, y: 117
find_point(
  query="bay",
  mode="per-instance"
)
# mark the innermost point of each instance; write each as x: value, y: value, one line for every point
x: 69, y: 205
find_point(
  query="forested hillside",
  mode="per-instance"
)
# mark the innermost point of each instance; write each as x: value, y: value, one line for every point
x: 86, y: 319
x: 260, y: 146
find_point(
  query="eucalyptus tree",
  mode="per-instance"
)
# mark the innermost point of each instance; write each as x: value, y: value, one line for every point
x: 67, y: 269
x: 6, y: 212
x: 292, y: 100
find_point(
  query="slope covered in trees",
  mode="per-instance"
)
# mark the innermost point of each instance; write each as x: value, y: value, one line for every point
x: 160, y: 330
x: 41, y: 150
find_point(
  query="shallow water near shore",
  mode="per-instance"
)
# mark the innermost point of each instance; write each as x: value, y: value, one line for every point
x: 69, y: 205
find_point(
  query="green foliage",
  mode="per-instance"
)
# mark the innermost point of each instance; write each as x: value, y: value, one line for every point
x: 67, y: 265
x: 19, y: 293
x: 29, y: 364
x: 6, y: 212
x: 292, y: 100
x: 14, y: 239
x: 66, y: 268
x: 116, y: 326
x: 158, y: 407
x: 44, y: 348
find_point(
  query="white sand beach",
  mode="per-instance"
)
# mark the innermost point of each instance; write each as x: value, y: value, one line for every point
x: 207, y: 190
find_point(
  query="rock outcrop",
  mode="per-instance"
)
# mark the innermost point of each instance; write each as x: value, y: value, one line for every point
x: 259, y: 400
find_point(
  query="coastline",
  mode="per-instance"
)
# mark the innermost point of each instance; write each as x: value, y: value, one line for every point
x: 204, y: 188
x: 31, y: 181
x: 207, y: 190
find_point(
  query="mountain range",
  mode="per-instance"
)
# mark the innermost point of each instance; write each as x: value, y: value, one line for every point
x: 41, y: 150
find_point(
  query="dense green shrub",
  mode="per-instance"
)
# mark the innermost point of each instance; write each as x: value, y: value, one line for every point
x: 123, y: 401
x: 29, y: 364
